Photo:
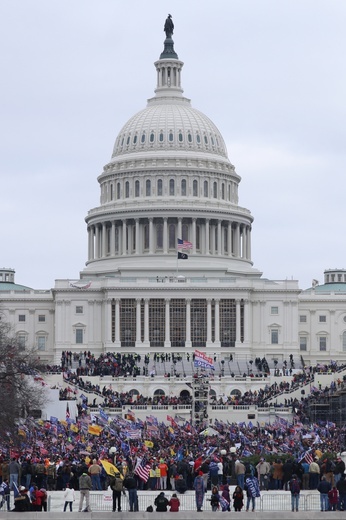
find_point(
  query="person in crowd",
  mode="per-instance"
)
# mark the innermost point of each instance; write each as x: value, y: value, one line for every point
x: 5, y: 494
x: 339, y: 469
x: 252, y: 491
x: 263, y: 473
x: 69, y: 497
x: 174, y: 503
x: 117, y: 487
x: 163, y: 474
x: 161, y: 502
x: 238, y: 498
x: 200, y: 490
x: 295, y: 492
x: 172, y: 474
x: 305, y: 475
x: 333, y: 497
x: 314, y: 474
x: 14, y: 470
x: 239, y: 469
x: 214, y: 499
x: 278, y: 474
x: 323, y: 488
x: 181, y: 485
x: 95, y: 473
x: 341, y: 487
x: 22, y: 501
x: 130, y: 484
x: 225, y: 493
x: 85, y: 485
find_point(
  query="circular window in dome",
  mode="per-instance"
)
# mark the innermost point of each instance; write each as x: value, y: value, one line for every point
x: 189, y: 137
x: 171, y: 137
x: 152, y: 137
x: 180, y: 137
x: 135, y: 139
x: 161, y: 137
x: 198, y: 137
x: 143, y: 138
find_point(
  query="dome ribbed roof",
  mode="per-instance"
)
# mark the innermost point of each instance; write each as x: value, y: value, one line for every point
x: 169, y: 124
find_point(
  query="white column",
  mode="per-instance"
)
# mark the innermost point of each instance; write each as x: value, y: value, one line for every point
x: 219, y: 245
x: 151, y: 235
x: 146, y: 322
x: 97, y: 241
x: 237, y: 322
x: 188, y: 323
x: 208, y: 322
x: 193, y: 236
x: 246, y: 321
x: 180, y: 222
x: 124, y: 251
x: 165, y: 235
x: 207, y: 236
x: 217, y: 323
x: 104, y: 240
x: 212, y: 239
x: 117, y: 322
x: 249, y: 244
x: 107, y: 310
x: 137, y: 236
x: 112, y: 244
x: 237, y: 241
x: 138, y: 323
x: 167, y: 323
x: 230, y: 244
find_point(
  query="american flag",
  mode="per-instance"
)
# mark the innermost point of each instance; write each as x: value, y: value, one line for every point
x: 142, y: 468
x: 183, y: 244
x: 308, y: 458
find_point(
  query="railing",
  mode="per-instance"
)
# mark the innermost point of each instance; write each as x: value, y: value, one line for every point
x: 275, y: 501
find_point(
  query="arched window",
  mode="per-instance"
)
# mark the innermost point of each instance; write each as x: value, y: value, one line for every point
x: 134, y: 139
x: 127, y: 189
x: 189, y: 137
x: 198, y: 137
x: 183, y: 187
x: 205, y: 189
x: 159, y: 187
x: 161, y: 137
x: 137, y: 189
x: 206, y: 139
x: 118, y: 190
x: 215, y: 190
x: 116, y: 239
x: 180, y: 137
x: 198, y: 238
x: 152, y: 137
x: 128, y: 140
x: 170, y: 137
x: 171, y: 187
x: 148, y: 188
x: 195, y: 188
x: 171, y: 236
x: 112, y: 191
x: 143, y: 138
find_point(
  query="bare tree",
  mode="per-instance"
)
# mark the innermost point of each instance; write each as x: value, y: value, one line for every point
x: 21, y: 383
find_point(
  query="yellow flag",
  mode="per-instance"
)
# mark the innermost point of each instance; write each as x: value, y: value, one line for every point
x: 110, y: 469
x: 94, y: 429
x: 74, y: 428
x: 149, y: 444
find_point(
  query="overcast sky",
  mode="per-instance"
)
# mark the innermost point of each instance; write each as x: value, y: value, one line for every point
x: 270, y: 74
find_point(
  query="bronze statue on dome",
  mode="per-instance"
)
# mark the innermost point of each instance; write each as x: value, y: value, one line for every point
x: 169, y: 26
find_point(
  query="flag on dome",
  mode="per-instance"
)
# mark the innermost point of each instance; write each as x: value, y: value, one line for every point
x: 183, y: 244
x: 182, y: 256
x: 203, y: 361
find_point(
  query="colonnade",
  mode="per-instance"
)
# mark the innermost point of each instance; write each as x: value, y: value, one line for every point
x: 137, y: 236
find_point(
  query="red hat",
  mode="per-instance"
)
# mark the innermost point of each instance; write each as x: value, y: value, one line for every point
x: 200, y: 473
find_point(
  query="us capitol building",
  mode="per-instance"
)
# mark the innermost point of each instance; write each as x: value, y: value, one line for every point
x: 169, y: 265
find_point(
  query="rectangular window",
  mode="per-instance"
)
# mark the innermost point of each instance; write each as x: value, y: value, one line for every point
x: 323, y: 343
x: 274, y: 310
x: 274, y: 336
x: 302, y: 318
x: 41, y: 343
x: 322, y: 319
x: 79, y: 336
x: 21, y: 317
x: 79, y: 309
x: 41, y: 318
x: 303, y: 343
